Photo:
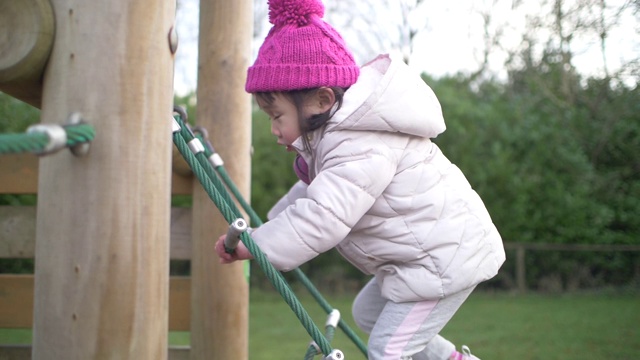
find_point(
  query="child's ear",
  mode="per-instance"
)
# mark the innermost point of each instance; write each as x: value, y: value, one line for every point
x: 325, y: 98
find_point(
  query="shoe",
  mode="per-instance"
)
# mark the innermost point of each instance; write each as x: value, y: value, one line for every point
x: 466, y: 354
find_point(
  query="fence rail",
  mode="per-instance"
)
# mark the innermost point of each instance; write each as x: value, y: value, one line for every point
x: 521, y: 249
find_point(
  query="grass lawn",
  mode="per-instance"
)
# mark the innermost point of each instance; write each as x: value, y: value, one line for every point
x: 495, y: 326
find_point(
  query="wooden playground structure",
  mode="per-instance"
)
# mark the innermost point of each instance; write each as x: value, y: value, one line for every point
x: 104, y: 226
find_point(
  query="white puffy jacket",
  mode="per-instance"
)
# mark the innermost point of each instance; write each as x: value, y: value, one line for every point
x: 386, y: 196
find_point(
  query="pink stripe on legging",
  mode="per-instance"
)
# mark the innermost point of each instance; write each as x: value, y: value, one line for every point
x: 408, y: 328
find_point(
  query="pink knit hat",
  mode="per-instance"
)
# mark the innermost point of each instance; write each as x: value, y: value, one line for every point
x: 301, y: 51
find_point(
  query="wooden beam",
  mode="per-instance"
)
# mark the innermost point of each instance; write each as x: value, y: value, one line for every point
x: 19, y: 174
x: 16, y: 302
x: 28, y: 32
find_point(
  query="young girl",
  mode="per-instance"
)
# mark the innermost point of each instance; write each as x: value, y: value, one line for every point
x: 373, y: 185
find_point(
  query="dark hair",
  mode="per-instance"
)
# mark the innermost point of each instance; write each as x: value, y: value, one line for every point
x: 298, y: 97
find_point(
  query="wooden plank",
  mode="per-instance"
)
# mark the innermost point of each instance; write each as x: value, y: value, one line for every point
x: 23, y: 352
x: 178, y: 353
x: 180, y: 234
x: 19, y: 175
x: 16, y: 302
x: 18, y: 232
x: 179, y: 303
x: 181, y: 184
x: 15, y: 352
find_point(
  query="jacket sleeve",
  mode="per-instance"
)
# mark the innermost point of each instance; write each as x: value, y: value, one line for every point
x: 297, y: 191
x: 351, y: 177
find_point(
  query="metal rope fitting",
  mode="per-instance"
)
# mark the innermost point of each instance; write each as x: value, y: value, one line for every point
x: 175, y: 125
x: 333, y: 318
x: 335, y: 355
x: 196, y: 146
x: 237, y: 227
x: 215, y: 160
x: 56, y: 134
x: 315, y: 346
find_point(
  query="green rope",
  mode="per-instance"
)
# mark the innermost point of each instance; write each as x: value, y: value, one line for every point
x: 181, y: 139
x: 327, y: 308
x: 222, y: 172
x: 36, y: 142
x: 299, y: 274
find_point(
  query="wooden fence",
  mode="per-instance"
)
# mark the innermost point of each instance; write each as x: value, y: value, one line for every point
x: 522, y: 248
x: 17, y: 241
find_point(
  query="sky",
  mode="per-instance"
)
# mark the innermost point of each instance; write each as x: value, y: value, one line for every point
x: 451, y: 41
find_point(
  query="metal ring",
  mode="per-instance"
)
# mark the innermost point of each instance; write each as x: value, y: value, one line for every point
x: 82, y: 149
x: 180, y: 111
x: 202, y: 131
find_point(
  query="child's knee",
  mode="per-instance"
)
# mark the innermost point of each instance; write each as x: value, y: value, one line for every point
x: 362, y: 319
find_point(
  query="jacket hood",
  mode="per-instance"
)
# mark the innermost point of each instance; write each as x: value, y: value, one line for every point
x: 389, y: 96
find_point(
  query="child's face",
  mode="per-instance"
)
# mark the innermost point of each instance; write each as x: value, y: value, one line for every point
x: 283, y: 115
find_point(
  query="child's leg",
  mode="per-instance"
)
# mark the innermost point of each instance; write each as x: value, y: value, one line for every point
x: 436, y: 349
x: 367, y: 306
x: 403, y: 330
x: 439, y: 347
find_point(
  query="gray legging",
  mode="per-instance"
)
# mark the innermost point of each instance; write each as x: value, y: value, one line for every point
x: 405, y: 331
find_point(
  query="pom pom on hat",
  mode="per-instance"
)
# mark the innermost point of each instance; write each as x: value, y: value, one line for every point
x: 301, y: 51
x: 294, y: 12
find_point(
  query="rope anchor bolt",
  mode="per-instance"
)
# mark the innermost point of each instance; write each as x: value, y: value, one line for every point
x: 59, y: 138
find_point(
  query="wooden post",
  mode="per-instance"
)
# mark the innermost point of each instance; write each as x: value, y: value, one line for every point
x: 102, y: 243
x: 27, y: 28
x: 521, y: 276
x: 219, y: 311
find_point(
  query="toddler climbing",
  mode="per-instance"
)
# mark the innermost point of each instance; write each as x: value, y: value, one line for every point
x: 373, y: 185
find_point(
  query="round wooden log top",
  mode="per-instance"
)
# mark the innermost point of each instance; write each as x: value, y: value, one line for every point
x: 26, y: 38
